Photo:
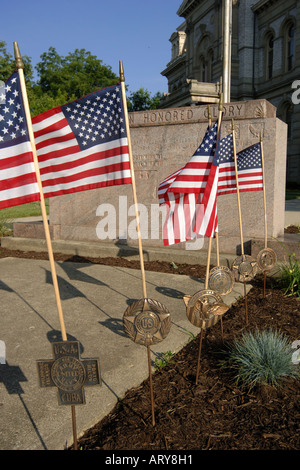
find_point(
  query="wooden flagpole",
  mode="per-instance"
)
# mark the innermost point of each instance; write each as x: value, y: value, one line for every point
x: 265, y: 205
x: 20, y: 67
x: 237, y: 190
x: 209, y: 242
x: 219, y: 127
x: 122, y: 80
x: 240, y: 214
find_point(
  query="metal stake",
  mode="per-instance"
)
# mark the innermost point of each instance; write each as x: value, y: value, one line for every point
x: 151, y: 386
x: 199, y: 355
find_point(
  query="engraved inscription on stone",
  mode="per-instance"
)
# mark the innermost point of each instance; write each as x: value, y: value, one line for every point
x: 68, y: 372
x: 183, y: 115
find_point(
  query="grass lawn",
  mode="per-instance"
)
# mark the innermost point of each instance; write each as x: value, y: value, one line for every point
x: 25, y: 210
x: 292, y: 195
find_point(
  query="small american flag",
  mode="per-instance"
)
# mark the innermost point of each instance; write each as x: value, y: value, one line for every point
x: 193, y: 176
x: 219, y: 177
x: 249, y: 166
x: 18, y: 183
x: 182, y: 192
x: 83, y: 145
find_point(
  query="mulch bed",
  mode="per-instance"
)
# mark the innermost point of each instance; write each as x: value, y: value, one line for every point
x: 292, y: 229
x: 214, y: 414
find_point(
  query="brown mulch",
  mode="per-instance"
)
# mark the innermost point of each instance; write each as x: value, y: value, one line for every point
x: 292, y: 229
x: 214, y: 414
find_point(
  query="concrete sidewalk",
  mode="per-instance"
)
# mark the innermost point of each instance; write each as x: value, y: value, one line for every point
x: 94, y: 299
x: 292, y: 212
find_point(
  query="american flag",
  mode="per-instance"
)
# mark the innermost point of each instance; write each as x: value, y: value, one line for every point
x: 83, y: 145
x: 182, y: 191
x: 222, y: 180
x: 227, y: 179
x: 249, y: 166
x: 18, y: 183
x: 182, y: 211
x: 219, y: 177
x: 193, y: 176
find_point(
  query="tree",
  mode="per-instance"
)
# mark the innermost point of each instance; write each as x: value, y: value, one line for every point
x: 8, y: 65
x: 64, y: 79
x: 141, y: 100
x: 77, y: 74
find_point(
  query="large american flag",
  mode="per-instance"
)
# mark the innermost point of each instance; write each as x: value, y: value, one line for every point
x: 83, y: 145
x: 18, y: 183
x: 182, y: 191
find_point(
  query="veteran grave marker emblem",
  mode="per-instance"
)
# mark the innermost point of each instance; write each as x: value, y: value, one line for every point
x: 68, y: 372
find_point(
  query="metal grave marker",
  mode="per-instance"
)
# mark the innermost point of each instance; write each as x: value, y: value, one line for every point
x: 68, y: 372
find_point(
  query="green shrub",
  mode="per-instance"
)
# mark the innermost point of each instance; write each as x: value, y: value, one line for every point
x: 260, y: 358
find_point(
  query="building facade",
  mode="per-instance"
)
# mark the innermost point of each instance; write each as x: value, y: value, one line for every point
x: 265, y: 60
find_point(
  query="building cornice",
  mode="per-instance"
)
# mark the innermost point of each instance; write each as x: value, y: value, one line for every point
x: 262, y: 5
x: 187, y: 7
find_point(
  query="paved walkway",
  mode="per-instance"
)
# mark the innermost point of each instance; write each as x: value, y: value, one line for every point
x: 94, y: 299
x: 292, y: 212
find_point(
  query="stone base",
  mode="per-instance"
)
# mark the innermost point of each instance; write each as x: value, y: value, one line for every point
x: 229, y: 247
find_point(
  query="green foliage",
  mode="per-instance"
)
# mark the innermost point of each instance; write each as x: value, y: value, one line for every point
x: 141, y: 100
x: 8, y: 65
x: 289, y: 278
x: 260, y: 358
x: 76, y: 75
x: 163, y: 359
x: 5, y: 226
x: 63, y: 79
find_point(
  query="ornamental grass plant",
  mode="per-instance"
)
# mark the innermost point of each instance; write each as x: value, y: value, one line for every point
x: 260, y: 358
x: 289, y: 278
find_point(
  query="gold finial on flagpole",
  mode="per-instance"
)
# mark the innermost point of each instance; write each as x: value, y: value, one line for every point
x: 121, y: 71
x: 221, y: 102
x: 18, y: 57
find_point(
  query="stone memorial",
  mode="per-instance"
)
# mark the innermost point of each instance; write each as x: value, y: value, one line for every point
x: 162, y: 142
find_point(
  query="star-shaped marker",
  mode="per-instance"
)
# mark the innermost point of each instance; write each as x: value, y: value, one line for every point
x: 147, y: 321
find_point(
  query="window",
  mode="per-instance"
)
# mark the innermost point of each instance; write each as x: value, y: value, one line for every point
x: 290, y: 46
x: 270, y: 56
x: 210, y: 65
x: 203, y: 69
x: 286, y: 114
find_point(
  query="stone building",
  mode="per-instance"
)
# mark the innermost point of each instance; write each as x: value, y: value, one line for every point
x: 265, y: 60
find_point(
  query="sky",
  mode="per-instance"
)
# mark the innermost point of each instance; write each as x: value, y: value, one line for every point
x: 134, y: 31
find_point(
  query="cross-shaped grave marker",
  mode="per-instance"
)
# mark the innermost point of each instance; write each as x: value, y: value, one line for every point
x: 68, y: 372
